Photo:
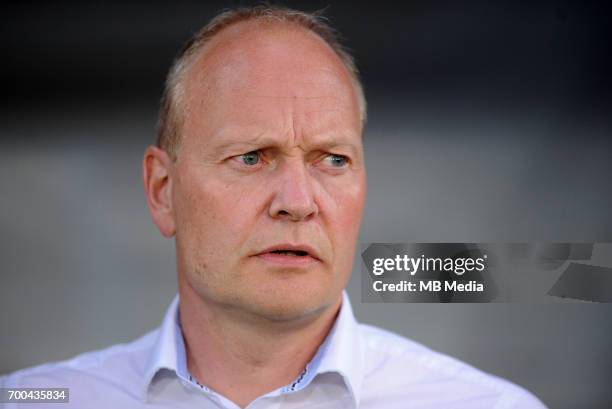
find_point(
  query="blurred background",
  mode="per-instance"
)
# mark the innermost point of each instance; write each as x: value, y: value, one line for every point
x: 489, y: 121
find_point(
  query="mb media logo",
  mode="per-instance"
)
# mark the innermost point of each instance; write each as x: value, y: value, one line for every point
x: 467, y: 272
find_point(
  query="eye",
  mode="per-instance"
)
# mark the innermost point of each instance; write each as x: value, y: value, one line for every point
x: 249, y: 158
x: 336, y: 161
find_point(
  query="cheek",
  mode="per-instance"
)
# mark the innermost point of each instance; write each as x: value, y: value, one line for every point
x: 212, y: 214
x: 346, y: 224
x: 345, y: 209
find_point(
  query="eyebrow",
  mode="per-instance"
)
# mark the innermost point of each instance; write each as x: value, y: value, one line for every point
x: 333, y: 143
x: 262, y: 140
x: 230, y: 141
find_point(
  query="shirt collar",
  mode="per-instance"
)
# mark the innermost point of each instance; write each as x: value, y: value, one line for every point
x: 341, y: 352
x: 164, y: 352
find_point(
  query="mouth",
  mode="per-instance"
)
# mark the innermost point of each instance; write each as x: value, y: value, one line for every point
x: 297, y: 253
x: 289, y: 255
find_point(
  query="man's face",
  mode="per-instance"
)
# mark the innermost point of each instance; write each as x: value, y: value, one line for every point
x: 270, y: 161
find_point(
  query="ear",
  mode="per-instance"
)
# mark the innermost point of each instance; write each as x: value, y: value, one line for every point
x: 157, y: 179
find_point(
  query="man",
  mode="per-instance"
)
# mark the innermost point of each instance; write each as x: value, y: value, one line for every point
x: 259, y: 175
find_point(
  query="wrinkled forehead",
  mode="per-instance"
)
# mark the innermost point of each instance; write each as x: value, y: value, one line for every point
x: 262, y: 70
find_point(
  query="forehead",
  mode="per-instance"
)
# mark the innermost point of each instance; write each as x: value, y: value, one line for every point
x: 255, y: 73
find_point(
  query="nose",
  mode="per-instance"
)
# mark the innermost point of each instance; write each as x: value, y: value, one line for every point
x: 293, y: 197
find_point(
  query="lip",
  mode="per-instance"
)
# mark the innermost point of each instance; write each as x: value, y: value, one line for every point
x: 285, y: 260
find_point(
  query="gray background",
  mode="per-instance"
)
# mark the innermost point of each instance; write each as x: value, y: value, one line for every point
x: 489, y: 122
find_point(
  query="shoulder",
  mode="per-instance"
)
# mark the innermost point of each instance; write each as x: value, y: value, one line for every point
x: 116, y: 365
x: 397, y: 367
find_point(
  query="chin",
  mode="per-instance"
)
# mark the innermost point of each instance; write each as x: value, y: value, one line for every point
x: 292, y: 306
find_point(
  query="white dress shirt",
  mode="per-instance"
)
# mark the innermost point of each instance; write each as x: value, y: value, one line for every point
x: 356, y: 366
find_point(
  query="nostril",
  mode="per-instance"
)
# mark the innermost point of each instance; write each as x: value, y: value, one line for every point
x: 292, y: 205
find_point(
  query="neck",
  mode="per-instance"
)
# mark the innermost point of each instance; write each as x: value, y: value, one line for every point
x: 242, y: 357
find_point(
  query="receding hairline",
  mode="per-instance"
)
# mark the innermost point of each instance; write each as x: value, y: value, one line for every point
x: 254, y: 28
x: 171, y: 117
x: 238, y: 41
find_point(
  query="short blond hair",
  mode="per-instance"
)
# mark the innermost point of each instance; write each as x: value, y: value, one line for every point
x: 170, y: 119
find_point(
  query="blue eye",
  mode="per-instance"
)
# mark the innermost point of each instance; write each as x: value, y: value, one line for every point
x: 337, y: 161
x: 250, y: 158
